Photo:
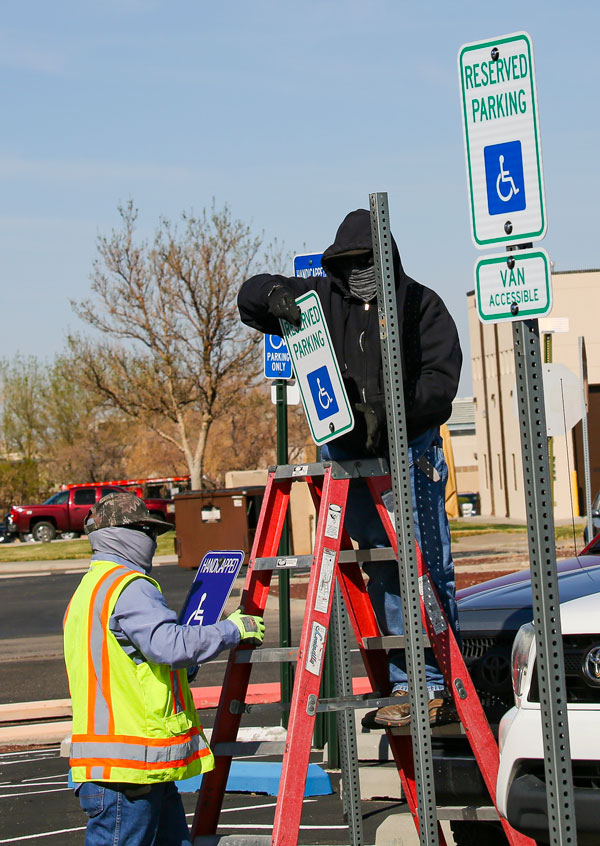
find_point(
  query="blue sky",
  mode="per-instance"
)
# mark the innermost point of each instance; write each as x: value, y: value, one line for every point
x: 290, y: 113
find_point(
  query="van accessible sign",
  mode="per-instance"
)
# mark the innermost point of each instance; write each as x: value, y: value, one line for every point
x: 513, y: 286
x: 322, y: 390
x: 502, y: 140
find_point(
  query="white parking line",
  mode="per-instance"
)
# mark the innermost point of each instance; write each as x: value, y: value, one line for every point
x: 251, y: 807
x: 30, y: 752
x: 33, y: 784
x: 44, y: 834
x: 253, y: 826
x: 32, y: 793
x: 27, y: 760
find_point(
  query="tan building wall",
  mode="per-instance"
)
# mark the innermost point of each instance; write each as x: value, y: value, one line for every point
x: 576, y: 296
x: 464, y: 449
x: 302, y: 510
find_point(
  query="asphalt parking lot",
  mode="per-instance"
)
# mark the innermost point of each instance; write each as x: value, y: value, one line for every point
x: 37, y: 805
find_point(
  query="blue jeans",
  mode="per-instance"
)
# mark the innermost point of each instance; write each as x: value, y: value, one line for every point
x: 154, y: 818
x: 433, y: 536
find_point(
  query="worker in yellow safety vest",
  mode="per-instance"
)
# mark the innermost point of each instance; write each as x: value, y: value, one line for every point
x: 135, y: 728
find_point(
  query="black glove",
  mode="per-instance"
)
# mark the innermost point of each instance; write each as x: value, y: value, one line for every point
x: 282, y: 304
x: 375, y: 423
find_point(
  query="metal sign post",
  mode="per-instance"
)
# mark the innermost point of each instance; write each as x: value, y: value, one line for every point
x: 583, y: 379
x: 391, y: 353
x: 506, y: 192
x: 544, y: 583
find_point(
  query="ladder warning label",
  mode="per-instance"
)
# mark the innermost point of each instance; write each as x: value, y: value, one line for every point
x: 315, y: 649
x: 432, y: 606
x: 388, y: 500
x: 325, y: 580
x: 334, y: 521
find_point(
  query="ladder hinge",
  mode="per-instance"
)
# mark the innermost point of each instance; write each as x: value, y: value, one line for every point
x: 311, y: 705
x: 460, y: 689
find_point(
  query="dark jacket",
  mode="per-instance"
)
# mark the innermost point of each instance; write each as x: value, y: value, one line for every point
x: 431, y: 351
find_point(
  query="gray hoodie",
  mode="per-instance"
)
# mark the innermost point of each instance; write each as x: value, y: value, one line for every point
x: 142, y: 622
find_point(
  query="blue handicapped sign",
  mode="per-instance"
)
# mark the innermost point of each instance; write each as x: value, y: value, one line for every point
x: 504, y: 177
x: 322, y: 392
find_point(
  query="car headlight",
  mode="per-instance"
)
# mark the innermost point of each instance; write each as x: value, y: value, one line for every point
x: 523, y: 646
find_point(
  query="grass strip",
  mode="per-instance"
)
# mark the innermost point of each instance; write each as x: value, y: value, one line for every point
x: 62, y: 550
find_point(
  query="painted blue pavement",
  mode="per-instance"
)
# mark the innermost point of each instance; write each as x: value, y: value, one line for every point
x: 263, y: 777
x: 258, y: 777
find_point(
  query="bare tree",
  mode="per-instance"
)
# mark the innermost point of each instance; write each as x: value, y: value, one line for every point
x: 174, y: 355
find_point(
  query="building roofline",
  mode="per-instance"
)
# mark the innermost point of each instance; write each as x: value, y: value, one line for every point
x: 587, y: 270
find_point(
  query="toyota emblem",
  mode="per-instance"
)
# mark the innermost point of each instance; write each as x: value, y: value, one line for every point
x: 591, y: 665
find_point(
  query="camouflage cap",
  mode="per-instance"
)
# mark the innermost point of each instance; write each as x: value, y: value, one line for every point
x: 122, y: 508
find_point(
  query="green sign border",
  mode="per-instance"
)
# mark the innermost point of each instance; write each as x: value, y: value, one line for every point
x: 540, y: 233
x: 523, y: 314
x: 284, y: 325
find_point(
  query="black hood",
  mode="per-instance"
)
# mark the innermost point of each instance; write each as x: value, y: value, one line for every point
x: 352, y: 238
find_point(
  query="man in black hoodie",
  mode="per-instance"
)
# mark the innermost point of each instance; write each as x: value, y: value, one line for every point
x: 431, y: 368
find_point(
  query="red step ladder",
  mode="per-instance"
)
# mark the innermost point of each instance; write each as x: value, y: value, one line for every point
x: 333, y: 560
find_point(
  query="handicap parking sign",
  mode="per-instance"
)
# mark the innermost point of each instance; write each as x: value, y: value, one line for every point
x: 322, y: 392
x: 504, y: 177
x: 278, y: 364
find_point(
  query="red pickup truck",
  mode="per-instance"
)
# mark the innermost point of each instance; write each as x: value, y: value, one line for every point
x: 63, y: 514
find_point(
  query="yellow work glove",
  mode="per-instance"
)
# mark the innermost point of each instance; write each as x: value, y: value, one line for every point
x: 251, y: 629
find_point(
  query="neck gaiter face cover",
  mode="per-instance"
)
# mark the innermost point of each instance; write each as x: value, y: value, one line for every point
x: 361, y: 283
x: 132, y: 545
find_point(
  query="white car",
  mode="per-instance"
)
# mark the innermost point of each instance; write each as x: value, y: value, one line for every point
x: 521, y: 781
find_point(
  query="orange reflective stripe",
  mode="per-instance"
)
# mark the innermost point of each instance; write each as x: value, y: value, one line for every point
x: 140, y: 765
x: 145, y: 741
x: 105, y: 682
x: 91, y: 680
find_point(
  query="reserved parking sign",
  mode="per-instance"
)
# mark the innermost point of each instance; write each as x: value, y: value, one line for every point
x: 319, y: 379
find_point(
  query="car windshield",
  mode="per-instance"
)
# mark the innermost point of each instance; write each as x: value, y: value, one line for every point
x: 58, y: 498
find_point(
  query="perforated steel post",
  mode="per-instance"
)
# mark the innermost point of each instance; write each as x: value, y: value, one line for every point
x: 544, y: 583
x: 339, y: 631
x: 391, y: 353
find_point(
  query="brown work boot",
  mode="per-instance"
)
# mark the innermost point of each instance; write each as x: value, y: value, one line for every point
x: 442, y: 712
x: 397, y: 714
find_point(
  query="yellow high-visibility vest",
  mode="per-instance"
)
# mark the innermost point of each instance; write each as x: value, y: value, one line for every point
x: 132, y: 722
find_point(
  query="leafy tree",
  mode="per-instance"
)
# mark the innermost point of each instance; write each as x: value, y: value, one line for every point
x: 173, y: 354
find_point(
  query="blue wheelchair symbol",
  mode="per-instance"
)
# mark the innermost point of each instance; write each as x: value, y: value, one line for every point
x: 323, y: 396
x: 504, y: 177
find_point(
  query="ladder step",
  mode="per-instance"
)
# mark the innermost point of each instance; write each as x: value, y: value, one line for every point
x: 360, y: 556
x: 366, y: 700
x: 277, y: 654
x: 389, y: 642
x: 297, y: 563
x: 299, y: 471
x: 451, y: 730
x: 469, y: 812
x: 242, y: 749
x: 237, y: 707
x: 233, y: 840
